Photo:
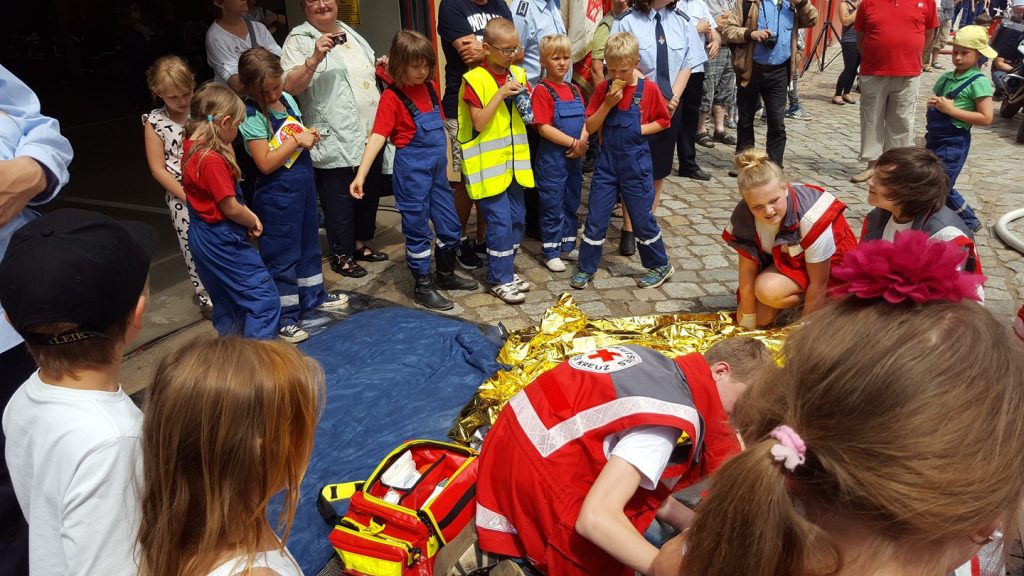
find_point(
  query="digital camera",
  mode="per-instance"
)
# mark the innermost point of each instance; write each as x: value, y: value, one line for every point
x: 770, y: 42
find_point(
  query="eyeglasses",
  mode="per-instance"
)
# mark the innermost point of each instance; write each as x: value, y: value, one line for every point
x: 312, y: 3
x: 509, y: 52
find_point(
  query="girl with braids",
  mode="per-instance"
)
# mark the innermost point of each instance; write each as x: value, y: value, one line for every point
x: 902, y: 456
x: 245, y: 300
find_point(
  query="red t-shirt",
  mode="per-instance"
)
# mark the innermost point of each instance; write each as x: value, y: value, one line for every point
x: 393, y: 121
x: 544, y: 106
x: 652, y: 105
x: 894, y: 33
x: 470, y: 96
x: 207, y: 179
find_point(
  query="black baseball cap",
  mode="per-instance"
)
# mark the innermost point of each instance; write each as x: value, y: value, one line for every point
x: 74, y: 266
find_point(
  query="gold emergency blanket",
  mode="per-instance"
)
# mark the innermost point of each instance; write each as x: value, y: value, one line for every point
x: 565, y: 331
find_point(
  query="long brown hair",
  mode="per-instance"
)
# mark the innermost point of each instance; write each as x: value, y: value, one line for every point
x: 212, y: 101
x: 408, y: 48
x: 228, y: 424
x: 911, y: 415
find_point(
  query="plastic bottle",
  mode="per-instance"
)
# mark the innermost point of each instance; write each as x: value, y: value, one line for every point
x: 522, y: 101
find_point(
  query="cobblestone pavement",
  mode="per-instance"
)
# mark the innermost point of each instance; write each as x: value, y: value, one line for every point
x: 822, y: 150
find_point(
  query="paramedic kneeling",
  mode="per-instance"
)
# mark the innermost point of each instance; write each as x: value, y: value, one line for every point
x: 580, y: 462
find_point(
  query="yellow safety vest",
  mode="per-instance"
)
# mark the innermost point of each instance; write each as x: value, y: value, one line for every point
x: 490, y: 158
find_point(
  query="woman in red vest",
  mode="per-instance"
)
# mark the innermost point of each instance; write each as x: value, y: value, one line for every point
x: 788, y: 237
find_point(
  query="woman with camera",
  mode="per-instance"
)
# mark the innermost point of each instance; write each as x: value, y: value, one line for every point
x: 329, y: 68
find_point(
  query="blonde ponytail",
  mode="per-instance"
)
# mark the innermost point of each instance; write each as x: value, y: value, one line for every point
x: 212, y: 101
x: 756, y: 169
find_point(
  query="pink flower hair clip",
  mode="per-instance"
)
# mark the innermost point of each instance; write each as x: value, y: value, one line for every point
x: 911, y: 267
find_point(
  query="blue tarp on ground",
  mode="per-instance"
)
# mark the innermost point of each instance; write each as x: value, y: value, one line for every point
x: 393, y: 374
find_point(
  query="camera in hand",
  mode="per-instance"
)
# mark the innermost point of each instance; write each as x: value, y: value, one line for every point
x: 770, y: 42
x: 339, y: 38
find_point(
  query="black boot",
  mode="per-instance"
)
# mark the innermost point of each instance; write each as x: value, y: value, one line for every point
x: 627, y: 243
x: 427, y: 295
x: 446, y: 278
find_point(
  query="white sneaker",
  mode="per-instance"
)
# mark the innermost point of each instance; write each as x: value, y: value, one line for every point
x: 334, y: 300
x: 508, y: 293
x: 293, y: 334
x: 571, y: 256
x: 520, y: 284
x: 555, y: 265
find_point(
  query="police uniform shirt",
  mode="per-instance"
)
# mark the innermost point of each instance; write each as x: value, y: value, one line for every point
x: 685, y: 47
x: 698, y: 10
x: 535, y: 19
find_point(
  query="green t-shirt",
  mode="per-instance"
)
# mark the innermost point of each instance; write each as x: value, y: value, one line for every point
x: 980, y: 88
x: 604, y: 29
x: 255, y: 127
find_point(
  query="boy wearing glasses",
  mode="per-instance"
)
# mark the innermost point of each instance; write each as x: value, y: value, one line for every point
x: 496, y: 154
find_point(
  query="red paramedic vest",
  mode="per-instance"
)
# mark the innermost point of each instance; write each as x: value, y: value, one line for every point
x: 943, y: 225
x: 809, y: 212
x: 546, y: 448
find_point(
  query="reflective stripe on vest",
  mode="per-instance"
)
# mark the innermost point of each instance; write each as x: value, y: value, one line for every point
x: 493, y: 157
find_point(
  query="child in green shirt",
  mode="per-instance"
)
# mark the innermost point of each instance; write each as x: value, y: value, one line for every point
x: 962, y: 98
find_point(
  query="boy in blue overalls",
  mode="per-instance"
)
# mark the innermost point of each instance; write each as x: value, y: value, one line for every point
x: 624, y: 112
x: 963, y: 98
x: 559, y: 116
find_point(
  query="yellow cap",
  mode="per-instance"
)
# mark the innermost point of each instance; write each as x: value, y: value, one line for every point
x: 975, y: 38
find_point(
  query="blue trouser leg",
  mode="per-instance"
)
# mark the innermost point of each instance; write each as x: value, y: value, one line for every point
x: 412, y: 198
x: 551, y: 191
x: 603, y: 193
x: 416, y: 229
x: 952, y: 150
x: 571, y: 204
x: 311, y: 269
x: 638, y: 196
x: 245, y: 299
x: 504, y: 216
x: 278, y: 205
x: 442, y: 210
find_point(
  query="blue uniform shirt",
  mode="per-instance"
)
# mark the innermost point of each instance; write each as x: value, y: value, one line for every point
x: 24, y: 131
x: 781, y: 23
x: 535, y: 19
x: 685, y: 47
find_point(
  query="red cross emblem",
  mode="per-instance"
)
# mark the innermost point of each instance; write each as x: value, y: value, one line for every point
x: 604, y: 355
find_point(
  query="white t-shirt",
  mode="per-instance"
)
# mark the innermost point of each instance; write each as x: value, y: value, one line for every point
x: 819, y: 251
x: 648, y: 448
x: 223, y: 48
x: 892, y: 227
x: 76, y: 466
x: 281, y: 562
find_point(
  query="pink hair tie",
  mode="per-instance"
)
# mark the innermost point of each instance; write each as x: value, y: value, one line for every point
x: 790, y: 448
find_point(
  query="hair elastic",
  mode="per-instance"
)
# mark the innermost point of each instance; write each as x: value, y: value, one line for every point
x: 209, y: 117
x: 790, y: 448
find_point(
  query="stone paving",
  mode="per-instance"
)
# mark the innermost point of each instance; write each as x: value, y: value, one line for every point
x: 822, y: 150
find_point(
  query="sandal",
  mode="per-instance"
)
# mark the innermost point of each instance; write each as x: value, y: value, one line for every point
x: 704, y: 139
x: 346, y: 266
x: 367, y: 254
x: 848, y: 99
x: 838, y: 100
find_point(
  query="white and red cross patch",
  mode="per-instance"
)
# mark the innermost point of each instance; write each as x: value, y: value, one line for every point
x: 605, y: 360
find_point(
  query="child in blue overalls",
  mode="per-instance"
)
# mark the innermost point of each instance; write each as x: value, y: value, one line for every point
x: 625, y: 113
x: 963, y: 98
x: 559, y: 116
x: 285, y: 193
x: 245, y: 300
x: 409, y: 115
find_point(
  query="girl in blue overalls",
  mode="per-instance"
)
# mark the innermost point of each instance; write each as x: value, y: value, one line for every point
x: 559, y: 117
x: 963, y: 98
x: 245, y: 300
x: 624, y: 163
x: 285, y: 192
x: 408, y: 114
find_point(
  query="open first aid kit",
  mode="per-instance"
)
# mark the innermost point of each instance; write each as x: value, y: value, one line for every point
x: 419, y: 498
